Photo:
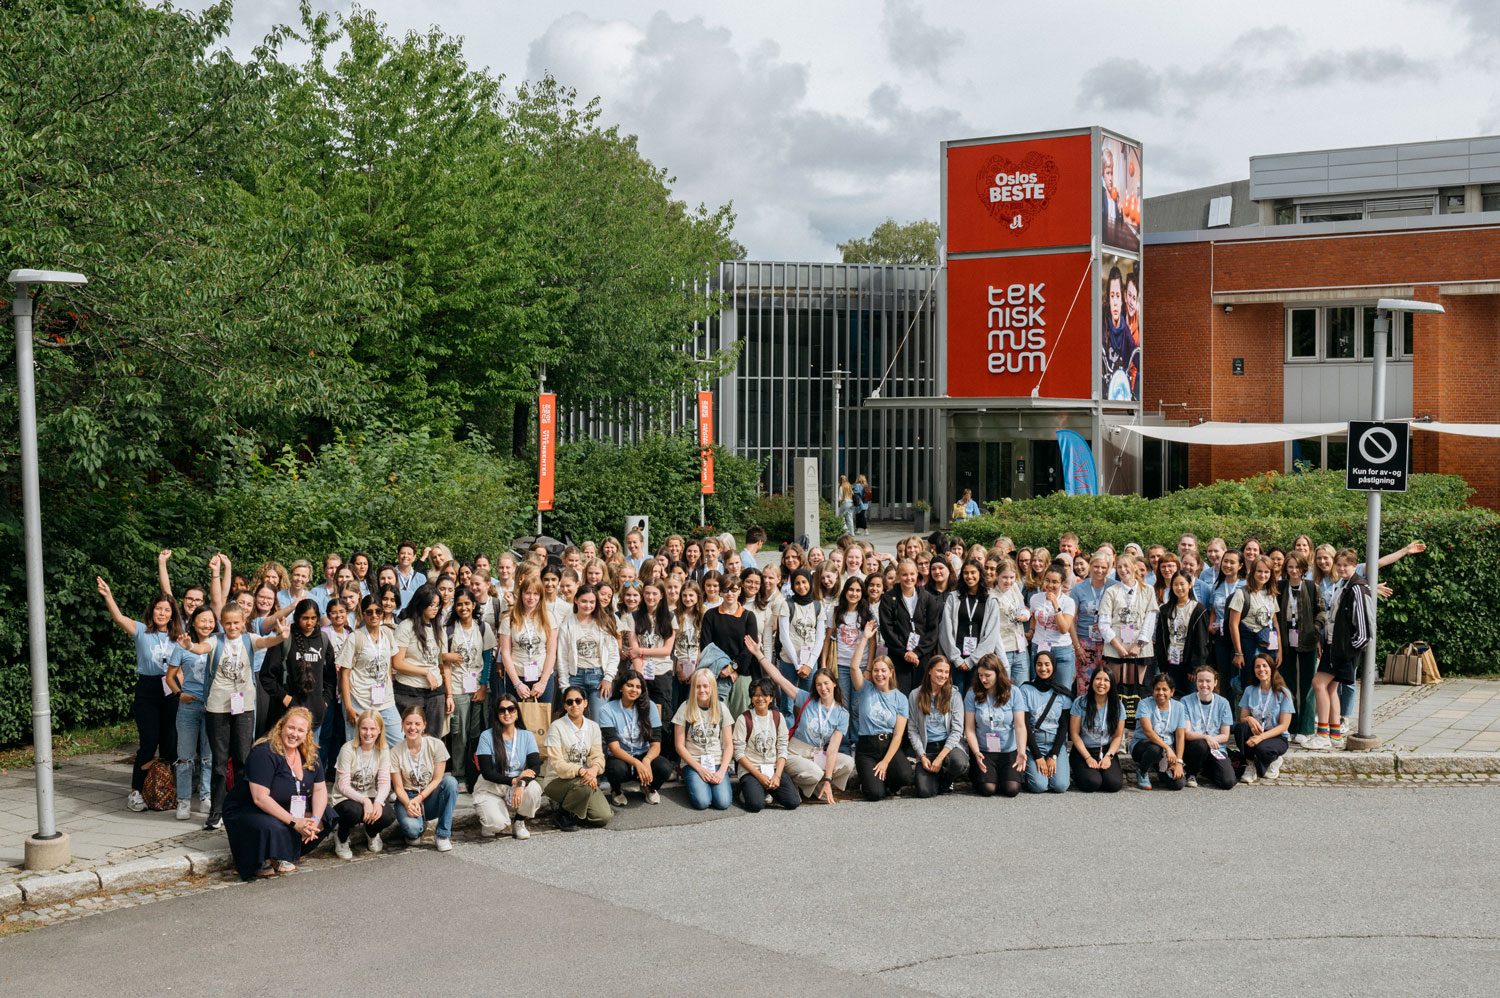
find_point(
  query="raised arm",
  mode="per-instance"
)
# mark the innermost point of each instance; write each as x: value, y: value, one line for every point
x: 126, y: 624
x: 162, y: 558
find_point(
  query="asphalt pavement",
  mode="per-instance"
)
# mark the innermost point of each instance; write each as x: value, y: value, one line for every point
x: 1281, y: 891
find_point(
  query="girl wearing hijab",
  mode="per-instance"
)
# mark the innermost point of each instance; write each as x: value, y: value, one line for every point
x: 971, y: 625
x: 300, y: 672
x: 1096, y: 729
x: 1047, y: 702
x: 802, y: 631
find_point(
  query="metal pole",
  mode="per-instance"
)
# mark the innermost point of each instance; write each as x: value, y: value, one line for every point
x: 36, y: 609
x: 1366, y: 736
x: 541, y: 389
x: 837, y: 388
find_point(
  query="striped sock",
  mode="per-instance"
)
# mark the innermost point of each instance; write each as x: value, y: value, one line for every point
x: 1322, y: 729
x: 1336, y: 730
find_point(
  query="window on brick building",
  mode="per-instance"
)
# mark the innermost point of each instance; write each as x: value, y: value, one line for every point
x: 1489, y: 197
x: 1315, y: 453
x: 1342, y: 333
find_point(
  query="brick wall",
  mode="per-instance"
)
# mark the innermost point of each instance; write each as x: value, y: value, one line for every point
x: 1190, y: 344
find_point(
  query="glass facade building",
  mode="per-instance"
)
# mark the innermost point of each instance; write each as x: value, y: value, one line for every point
x: 810, y: 334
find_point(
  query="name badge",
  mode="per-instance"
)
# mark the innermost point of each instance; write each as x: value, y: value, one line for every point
x: 531, y: 671
x: 1174, y: 655
x: 470, y: 682
x: 993, y: 742
x: 236, y: 702
x: 692, y: 665
x: 1127, y: 634
x: 166, y: 687
x: 709, y: 762
x: 377, y: 694
x: 970, y: 643
x: 1218, y: 752
x: 804, y: 655
x: 820, y: 759
x: 299, y: 807
x: 1271, y: 642
x: 766, y: 769
x: 648, y: 669
x: 911, y: 641
x: 1161, y: 765
x: 1094, y: 634
x: 1291, y: 637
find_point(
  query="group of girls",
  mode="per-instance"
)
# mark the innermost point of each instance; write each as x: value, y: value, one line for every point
x: 796, y: 673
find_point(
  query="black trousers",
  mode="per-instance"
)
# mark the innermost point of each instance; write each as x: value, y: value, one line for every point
x: 230, y: 737
x: 999, y: 775
x: 868, y: 752
x: 1089, y: 780
x: 932, y: 784
x: 753, y: 795
x: 1199, y: 761
x: 1148, y: 756
x: 619, y: 773
x: 1267, y: 751
x: 434, y: 704
x: 155, y: 715
x: 352, y: 815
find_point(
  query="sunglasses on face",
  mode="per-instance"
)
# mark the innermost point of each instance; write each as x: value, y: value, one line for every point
x: 506, y: 708
x: 573, y: 702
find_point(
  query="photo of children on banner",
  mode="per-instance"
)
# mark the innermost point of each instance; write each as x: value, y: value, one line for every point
x: 1120, y: 180
x: 1120, y: 345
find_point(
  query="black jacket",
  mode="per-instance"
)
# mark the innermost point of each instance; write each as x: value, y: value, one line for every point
x: 1351, y: 621
x: 1312, y: 614
x: 1195, y: 649
x: 896, y: 624
x: 302, y: 668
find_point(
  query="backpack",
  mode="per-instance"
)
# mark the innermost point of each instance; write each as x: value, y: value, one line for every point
x: 160, y: 789
x: 749, y: 717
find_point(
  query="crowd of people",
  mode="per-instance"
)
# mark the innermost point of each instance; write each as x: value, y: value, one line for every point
x: 577, y: 675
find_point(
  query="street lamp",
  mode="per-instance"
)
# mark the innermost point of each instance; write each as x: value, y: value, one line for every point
x: 1365, y: 739
x: 48, y: 848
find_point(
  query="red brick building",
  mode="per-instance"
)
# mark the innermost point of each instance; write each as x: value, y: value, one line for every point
x: 1271, y: 321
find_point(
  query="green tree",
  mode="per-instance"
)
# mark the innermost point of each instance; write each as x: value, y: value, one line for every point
x: 914, y: 242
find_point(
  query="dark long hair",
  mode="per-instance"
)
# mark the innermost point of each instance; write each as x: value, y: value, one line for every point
x: 861, y: 612
x: 1111, y: 700
x: 661, y: 624
x: 300, y: 675
x: 173, y: 629
x: 416, y: 612
x: 496, y: 735
x: 642, y: 702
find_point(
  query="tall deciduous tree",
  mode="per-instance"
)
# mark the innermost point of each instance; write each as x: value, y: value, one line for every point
x: 914, y: 242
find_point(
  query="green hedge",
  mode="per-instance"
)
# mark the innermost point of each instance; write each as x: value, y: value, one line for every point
x: 1437, y: 594
x: 778, y: 515
x: 365, y: 492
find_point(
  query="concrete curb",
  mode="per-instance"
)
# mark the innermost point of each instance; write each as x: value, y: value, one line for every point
x: 36, y: 892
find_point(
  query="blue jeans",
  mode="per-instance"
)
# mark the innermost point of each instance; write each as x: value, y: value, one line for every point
x: 962, y: 677
x: 439, y: 806
x: 1020, y: 667
x: 1346, y: 697
x: 590, y: 679
x: 701, y: 793
x: 192, y: 744
x: 387, y: 714
x: 789, y: 673
x: 846, y: 687
x: 1064, y: 671
x: 1037, y: 783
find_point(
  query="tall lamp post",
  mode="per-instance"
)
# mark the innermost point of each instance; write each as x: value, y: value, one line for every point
x: 1365, y: 739
x: 48, y: 848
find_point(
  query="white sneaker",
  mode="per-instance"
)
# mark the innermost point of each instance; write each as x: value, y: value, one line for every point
x: 341, y: 847
x: 1299, y: 739
x: 135, y: 801
x: 411, y: 841
x: 205, y: 804
x: 1274, y: 769
x: 1192, y: 781
x: 1248, y: 776
x: 618, y: 799
x: 652, y: 797
x: 443, y: 845
x: 518, y: 829
x: 1319, y: 743
x: 184, y: 810
x: 376, y: 843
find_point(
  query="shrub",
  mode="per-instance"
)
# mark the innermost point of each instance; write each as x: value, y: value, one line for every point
x: 1436, y: 594
x: 778, y: 515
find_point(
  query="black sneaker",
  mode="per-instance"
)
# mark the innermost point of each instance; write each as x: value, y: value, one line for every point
x: 565, y: 821
x: 214, y: 823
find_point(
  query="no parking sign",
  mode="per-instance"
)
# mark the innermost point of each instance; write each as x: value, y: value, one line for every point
x: 1379, y: 455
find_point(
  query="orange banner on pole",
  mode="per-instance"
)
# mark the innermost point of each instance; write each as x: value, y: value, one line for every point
x: 546, y: 449
x: 706, y: 439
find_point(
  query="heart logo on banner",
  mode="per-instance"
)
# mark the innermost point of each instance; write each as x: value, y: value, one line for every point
x: 1017, y: 215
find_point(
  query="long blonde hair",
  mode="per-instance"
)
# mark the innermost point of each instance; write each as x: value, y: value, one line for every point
x: 382, y: 753
x: 309, y: 744
x: 694, y: 712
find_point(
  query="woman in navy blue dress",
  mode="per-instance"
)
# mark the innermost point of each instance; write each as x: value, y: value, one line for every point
x: 278, y: 810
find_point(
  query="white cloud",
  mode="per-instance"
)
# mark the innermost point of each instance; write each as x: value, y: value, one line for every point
x: 911, y: 42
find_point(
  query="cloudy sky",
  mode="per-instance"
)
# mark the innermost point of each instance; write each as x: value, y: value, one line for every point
x: 818, y: 120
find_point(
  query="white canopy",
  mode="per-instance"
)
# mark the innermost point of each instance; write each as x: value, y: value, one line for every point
x: 1237, y: 433
x: 1232, y: 434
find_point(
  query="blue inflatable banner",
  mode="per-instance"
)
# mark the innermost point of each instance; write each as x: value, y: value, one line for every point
x: 1079, y: 477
